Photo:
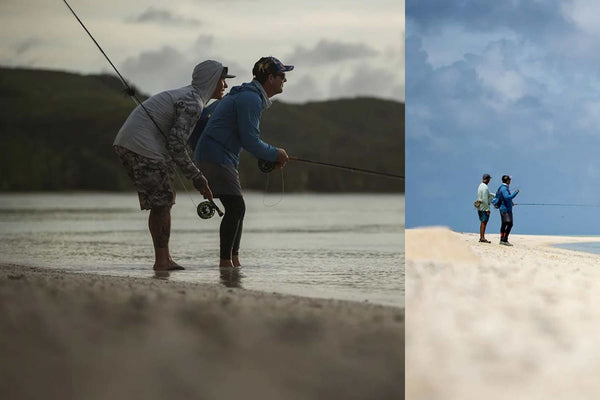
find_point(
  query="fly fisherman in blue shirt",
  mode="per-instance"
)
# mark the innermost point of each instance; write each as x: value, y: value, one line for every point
x: 506, y: 206
x: 233, y: 126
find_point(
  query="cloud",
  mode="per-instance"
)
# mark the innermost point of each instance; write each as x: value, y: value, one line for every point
x: 25, y: 45
x: 326, y: 52
x: 487, y: 92
x: 203, y: 43
x: 533, y: 18
x: 158, y: 70
x: 162, y: 16
x: 168, y: 67
x: 583, y: 14
x: 368, y: 81
x: 302, y: 89
x: 344, y: 71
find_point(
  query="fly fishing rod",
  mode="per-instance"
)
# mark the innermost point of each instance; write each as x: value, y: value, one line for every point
x: 557, y: 204
x: 128, y: 89
x: 268, y: 166
x: 205, y: 209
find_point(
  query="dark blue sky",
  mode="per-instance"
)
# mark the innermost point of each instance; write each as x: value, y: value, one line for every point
x: 507, y: 88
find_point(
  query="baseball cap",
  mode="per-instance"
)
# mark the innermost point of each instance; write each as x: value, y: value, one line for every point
x: 270, y: 65
x: 486, y: 176
x: 225, y: 73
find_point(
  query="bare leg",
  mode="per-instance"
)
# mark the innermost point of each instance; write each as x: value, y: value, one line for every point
x: 236, y: 244
x: 159, y: 223
x: 225, y: 263
x: 482, y: 230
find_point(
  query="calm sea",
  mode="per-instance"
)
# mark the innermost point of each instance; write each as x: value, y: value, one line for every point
x: 588, y: 247
x: 339, y: 246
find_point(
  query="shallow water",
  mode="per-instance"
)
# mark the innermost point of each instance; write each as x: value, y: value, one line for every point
x: 339, y: 246
x: 587, y: 247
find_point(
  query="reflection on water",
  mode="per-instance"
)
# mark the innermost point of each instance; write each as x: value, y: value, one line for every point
x: 164, y: 275
x: 231, y: 277
x: 339, y: 249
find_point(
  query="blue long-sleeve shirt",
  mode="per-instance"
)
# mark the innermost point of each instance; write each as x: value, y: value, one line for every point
x: 507, y: 196
x: 233, y: 126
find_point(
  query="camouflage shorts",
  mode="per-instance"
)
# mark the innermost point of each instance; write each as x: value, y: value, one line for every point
x: 152, y: 178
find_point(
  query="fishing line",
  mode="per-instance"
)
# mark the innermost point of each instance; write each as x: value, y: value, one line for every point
x: 354, y: 169
x: 557, y: 204
x: 280, y: 195
x: 131, y: 92
x: 268, y: 166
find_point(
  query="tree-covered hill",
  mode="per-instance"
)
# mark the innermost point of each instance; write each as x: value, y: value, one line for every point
x: 57, y: 129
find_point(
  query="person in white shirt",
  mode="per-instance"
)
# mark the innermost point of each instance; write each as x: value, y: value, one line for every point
x: 483, y: 209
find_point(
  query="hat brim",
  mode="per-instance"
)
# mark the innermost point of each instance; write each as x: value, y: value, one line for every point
x: 287, y: 68
x: 227, y: 76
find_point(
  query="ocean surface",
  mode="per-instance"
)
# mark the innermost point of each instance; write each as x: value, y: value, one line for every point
x: 340, y: 246
x: 587, y: 247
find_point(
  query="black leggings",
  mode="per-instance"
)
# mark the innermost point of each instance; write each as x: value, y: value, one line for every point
x: 231, y: 225
x: 507, y: 223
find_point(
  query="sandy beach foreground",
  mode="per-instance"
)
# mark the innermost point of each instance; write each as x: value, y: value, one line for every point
x: 77, y: 336
x: 486, y: 321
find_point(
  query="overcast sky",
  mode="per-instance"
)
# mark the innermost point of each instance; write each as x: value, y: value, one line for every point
x: 508, y: 87
x: 340, y: 48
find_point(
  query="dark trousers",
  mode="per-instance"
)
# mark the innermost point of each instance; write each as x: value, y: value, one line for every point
x: 230, y: 231
x: 507, y: 224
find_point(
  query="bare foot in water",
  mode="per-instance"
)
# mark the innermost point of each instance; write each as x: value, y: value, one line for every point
x: 223, y: 263
x: 173, y: 266
x: 236, y: 261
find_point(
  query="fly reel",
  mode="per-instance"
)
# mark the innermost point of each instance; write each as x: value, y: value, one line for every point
x: 266, y: 166
x: 206, y: 210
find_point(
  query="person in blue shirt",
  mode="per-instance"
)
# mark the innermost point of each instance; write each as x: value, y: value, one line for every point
x: 234, y: 125
x: 506, y: 206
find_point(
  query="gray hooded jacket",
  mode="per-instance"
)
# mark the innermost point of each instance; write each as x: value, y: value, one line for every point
x: 176, y: 113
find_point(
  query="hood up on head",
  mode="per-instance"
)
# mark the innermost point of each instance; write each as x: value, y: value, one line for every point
x: 205, y: 77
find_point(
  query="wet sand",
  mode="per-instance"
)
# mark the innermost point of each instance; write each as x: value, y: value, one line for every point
x: 486, y: 321
x: 80, y: 336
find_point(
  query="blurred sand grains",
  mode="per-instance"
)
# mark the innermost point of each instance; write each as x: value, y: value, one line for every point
x: 491, y: 322
x: 75, y: 336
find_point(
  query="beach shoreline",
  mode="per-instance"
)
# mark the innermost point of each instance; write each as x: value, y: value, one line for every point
x: 97, y: 336
x: 497, y: 322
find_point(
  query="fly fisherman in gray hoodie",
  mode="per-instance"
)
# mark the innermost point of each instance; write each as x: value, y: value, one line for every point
x: 150, y: 146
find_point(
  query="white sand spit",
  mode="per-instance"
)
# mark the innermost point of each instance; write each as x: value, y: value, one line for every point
x: 485, y: 321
